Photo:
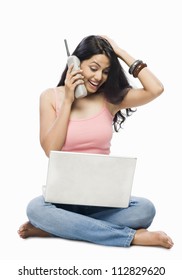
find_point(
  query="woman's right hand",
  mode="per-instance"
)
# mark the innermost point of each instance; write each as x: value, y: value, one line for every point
x: 73, y: 79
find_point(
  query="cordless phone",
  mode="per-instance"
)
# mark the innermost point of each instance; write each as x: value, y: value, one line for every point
x: 80, y: 90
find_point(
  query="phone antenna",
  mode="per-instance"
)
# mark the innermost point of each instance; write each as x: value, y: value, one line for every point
x: 66, y: 45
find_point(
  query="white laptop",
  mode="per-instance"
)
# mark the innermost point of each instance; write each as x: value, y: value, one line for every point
x: 89, y: 179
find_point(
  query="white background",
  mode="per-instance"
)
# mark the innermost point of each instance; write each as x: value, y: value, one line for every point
x: 32, y: 57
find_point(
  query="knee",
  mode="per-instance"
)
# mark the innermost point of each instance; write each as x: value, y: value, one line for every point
x: 34, y: 208
x: 146, y: 212
x: 149, y: 209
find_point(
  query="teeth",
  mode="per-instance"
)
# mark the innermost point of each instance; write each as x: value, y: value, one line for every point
x: 95, y: 84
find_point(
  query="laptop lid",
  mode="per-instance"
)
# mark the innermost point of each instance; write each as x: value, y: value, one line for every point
x: 89, y: 179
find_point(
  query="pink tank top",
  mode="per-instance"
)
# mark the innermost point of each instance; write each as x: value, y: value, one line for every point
x: 90, y: 135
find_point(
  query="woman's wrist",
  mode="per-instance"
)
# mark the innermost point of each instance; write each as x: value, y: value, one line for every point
x: 68, y: 101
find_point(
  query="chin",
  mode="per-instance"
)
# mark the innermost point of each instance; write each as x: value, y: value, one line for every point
x: 92, y: 91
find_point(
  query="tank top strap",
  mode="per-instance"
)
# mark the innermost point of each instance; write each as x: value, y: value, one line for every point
x: 106, y: 108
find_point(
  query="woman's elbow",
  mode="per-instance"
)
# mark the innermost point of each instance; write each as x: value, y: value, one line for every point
x: 48, y: 148
x: 156, y: 91
x: 45, y: 149
x: 159, y: 90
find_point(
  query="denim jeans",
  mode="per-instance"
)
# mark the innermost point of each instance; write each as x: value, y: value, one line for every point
x: 100, y: 225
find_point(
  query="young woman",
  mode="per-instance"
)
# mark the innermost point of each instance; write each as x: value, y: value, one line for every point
x: 86, y: 125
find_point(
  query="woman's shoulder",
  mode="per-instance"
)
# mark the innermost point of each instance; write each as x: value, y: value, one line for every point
x: 49, y: 92
x: 52, y: 97
x: 52, y: 94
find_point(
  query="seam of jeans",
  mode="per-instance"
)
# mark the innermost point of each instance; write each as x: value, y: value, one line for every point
x: 130, y: 237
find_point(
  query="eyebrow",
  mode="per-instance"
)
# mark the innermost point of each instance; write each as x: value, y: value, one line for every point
x: 99, y: 64
x: 96, y: 63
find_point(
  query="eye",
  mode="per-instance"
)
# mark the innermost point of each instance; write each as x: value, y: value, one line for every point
x: 106, y: 72
x: 94, y: 69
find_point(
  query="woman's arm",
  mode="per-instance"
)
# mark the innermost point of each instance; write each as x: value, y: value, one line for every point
x: 53, y: 128
x: 151, y: 89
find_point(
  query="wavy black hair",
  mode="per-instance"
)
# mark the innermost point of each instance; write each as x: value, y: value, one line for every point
x: 117, y: 85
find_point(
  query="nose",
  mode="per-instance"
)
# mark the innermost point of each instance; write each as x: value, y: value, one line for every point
x: 98, y: 75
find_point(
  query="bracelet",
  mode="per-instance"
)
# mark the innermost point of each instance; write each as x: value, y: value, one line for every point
x: 134, y: 65
x: 138, y: 68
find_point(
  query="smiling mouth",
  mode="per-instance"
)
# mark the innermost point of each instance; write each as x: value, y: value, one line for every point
x: 94, y: 85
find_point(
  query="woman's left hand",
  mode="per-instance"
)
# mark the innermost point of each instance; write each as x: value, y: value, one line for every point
x: 115, y: 47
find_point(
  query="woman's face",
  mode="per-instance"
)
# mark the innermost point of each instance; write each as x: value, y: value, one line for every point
x: 95, y: 71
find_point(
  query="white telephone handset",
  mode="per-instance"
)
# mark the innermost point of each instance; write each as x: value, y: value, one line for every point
x: 80, y: 90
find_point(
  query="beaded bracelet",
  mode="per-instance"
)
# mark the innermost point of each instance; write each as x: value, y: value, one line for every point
x: 138, y: 69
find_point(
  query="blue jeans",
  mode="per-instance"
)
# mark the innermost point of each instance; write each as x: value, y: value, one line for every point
x: 100, y: 225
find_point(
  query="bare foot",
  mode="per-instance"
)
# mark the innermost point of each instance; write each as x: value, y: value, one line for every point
x: 152, y: 238
x: 28, y: 230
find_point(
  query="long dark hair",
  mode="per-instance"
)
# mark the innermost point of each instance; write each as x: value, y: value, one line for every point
x: 116, y: 86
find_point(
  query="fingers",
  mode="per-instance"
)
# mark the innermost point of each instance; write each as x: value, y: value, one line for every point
x: 112, y: 43
x: 74, y: 77
x: 73, y: 72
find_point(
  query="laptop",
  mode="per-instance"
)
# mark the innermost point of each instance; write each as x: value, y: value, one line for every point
x: 89, y: 179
